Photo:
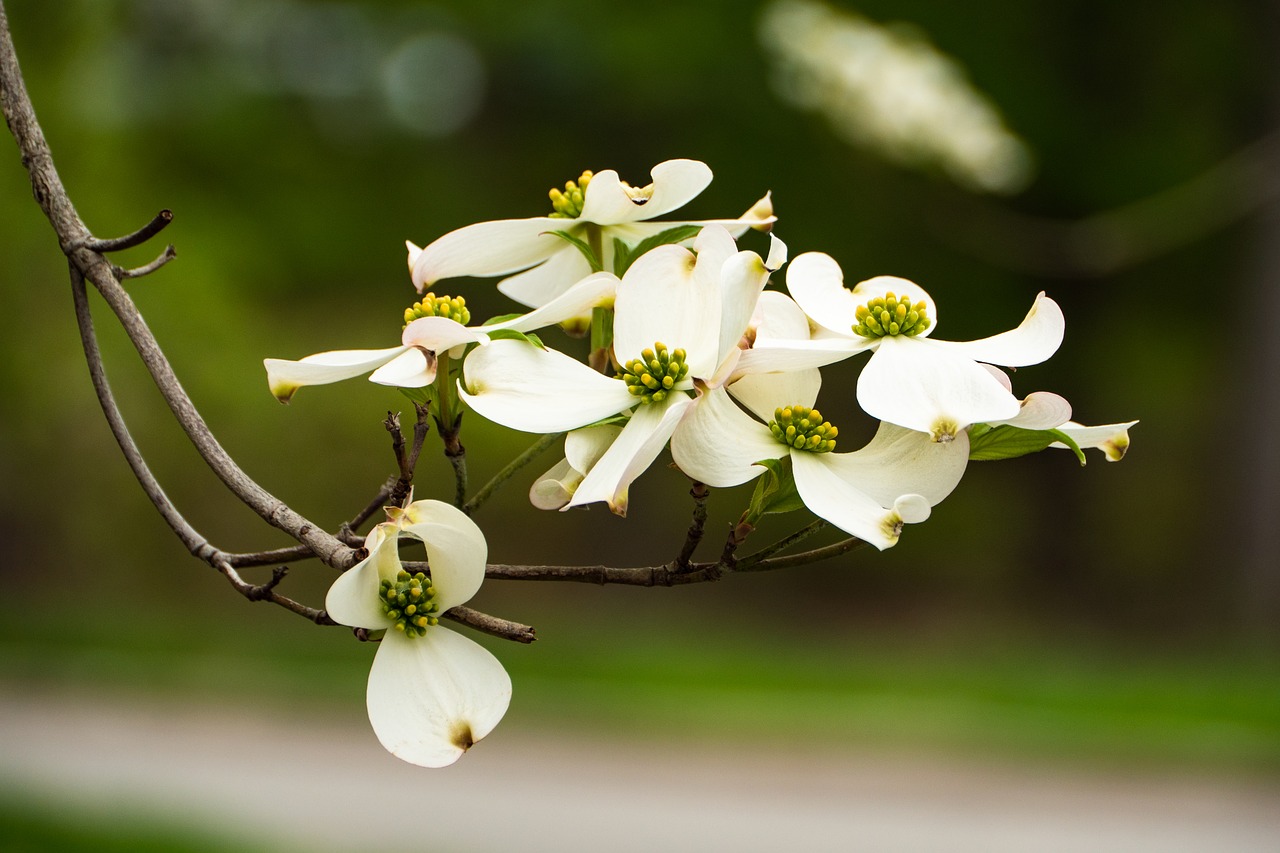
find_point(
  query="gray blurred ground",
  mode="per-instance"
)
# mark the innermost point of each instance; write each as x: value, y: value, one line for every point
x: 294, y: 780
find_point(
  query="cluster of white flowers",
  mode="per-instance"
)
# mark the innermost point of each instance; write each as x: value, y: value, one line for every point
x: 692, y: 351
x: 888, y: 89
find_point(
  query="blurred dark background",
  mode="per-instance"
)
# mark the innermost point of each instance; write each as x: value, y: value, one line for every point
x: 1134, y: 177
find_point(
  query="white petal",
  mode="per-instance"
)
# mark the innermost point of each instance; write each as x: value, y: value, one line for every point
x: 829, y: 496
x: 430, y: 698
x: 521, y: 386
x: 674, y: 184
x: 1036, y: 338
x: 286, y: 377
x: 577, y: 301
x: 816, y: 282
x: 777, y: 254
x: 554, y: 488
x: 456, y: 549
x: 900, y: 461
x: 764, y: 393
x: 912, y: 509
x: 1111, y: 439
x: 353, y: 598
x: 414, y: 368
x: 584, y: 447
x: 661, y: 300
x: 488, y: 248
x: 774, y: 356
x: 538, y: 286
x: 440, y: 334
x: 718, y: 444
x: 916, y: 383
x: 779, y: 318
x: 1041, y: 410
x: 742, y: 278
x: 639, y: 443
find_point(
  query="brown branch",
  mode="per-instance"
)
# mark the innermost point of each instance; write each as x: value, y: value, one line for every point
x: 137, y: 238
x: 699, y: 493
x: 91, y: 265
x: 266, y: 592
x: 782, y: 544
x: 167, y: 255
x: 492, y: 625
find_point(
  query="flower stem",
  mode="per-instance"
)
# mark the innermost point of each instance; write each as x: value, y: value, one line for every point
x: 532, y: 452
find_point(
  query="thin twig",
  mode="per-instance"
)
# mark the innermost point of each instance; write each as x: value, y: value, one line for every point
x: 532, y: 452
x: 699, y: 493
x: 826, y: 552
x: 167, y: 255
x: 782, y: 544
x: 492, y: 625
x: 266, y: 592
x: 137, y: 238
x: 664, y: 575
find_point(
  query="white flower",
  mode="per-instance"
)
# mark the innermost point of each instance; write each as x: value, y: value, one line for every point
x: 413, y: 363
x: 679, y: 316
x: 606, y: 209
x: 870, y: 493
x: 432, y: 693
x: 912, y: 380
x: 582, y: 450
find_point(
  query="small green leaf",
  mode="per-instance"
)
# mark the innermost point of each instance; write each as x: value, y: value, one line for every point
x: 513, y: 335
x: 621, y: 257
x: 775, y: 491
x: 493, y: 321
x: 419, y: 395
x: 663, y: 238
x: 582, y: 247
x: 1009, y: 442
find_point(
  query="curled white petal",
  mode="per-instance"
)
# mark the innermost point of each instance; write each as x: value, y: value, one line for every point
x: 1111, y: 439
x: 456, y: 549
x: 639, y: 443
x: 353, y: 598
x: 284, y: 378
x: 546, y: 281
x: 1041, y: 410
x: 500, y: 247
x: 431, y: 697
x: 413, y: 368
x: 1034, y: 340
x: 576, y: 301
x: 583, y: 448
x: 830, y: 496
x: 900, y: 461
x: 555, y: 488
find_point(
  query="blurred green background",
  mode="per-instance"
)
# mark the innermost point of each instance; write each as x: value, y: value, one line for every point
x: 1116, y: 612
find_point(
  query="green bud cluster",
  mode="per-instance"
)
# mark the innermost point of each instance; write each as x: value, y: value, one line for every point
x: 804, y: 429
x: 410, y: 602
x: 655, y: 373
x: 888, y: 315
x: 568, y: 203
x: 453, y: 307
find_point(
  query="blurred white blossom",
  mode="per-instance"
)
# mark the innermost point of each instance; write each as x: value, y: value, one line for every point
x: 887, y: 89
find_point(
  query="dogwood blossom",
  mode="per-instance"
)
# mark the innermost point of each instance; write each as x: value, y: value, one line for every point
x: 435, y: 325
x: 432, y: 693
x: 870, y: 493
x: 912, y: 380
x: 701, y: 301
x: 597, y: 208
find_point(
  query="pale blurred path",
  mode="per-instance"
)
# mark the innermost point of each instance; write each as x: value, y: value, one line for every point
x: 294, y: 781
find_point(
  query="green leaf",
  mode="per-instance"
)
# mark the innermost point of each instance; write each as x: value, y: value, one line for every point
x: 1009, y: 442
x: 493, y: 321
x: 663, y: 238
x: 775, y: 491
x: 621, y: 257
x: 582, y: 247
x: 513, y: 335
x: 419, y: 395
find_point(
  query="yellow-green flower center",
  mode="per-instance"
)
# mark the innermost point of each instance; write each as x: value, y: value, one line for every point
x: 804, y: 429
x: 410, y: 603
x: 653, y: 375
x: 567, y: 203
x: 888, y: 315
x: 453, y: 307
